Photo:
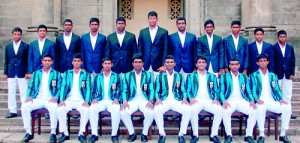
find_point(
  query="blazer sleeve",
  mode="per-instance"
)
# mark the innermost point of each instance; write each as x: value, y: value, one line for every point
x: 125, y: 87
x: 166, y: 47
x: 199, y: 47
x: 246, y: 55
x: 82, y: 52
x: 293, y: 62
x: 30, y: 90
x: 225, y: 47
x: 271, y: 60
x: 216, y: 88
x: 248, y: 88
x: 277, y: 90
x: 194, y: 48
x: 58, y: 85
x: 88, y: 88
x: 108, y: 48
x: 253, y: 85
x: 119, y: 88
x: 182, y: 87
x: 57, y: 53
x: 157, y: 87
x: 94, y: 89
x: 222, y: 88
x: 221, y: 54
x: 6, y: 61
x: 134, y: 45
x: 151, y: 87
x: 188, y: 84
x: 140, y: 43
x: 30, y: 58
x: 63, y: 87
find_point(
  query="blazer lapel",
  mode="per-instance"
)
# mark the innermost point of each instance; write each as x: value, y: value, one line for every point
x: 214, y: 43
x: 239, y: 43
x: 231, y: 42
x: 70, y: 78
x: 196, y: 82
x: 97, y: 41
x: 115, y: 38
x: 101, y: 85
x: 72, y: 42
x: 50, y: 78
x: 111, y: 80
x: 125, y: 39
x: 39, y: 78
x: 157, y: 35
x: 133, y: 80
x: 21, y: 47
x: 206, y: 43
x: 178, y: 39
x: 230, y: 86
x: 45, y: 45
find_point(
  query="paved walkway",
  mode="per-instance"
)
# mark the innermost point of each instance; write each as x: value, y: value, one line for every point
x: 43, y: 138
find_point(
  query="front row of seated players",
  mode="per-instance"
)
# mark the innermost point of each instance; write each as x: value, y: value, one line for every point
x: 202, y: 88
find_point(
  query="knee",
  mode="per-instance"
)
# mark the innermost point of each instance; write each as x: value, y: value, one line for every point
x: 92, y: 108
x: 261, y: 108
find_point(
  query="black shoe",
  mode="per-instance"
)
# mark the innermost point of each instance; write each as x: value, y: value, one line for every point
x: 214, y: 139
x: 114, y: 139
x: 228, y: 139
x: 284, y: 139
x: 11, y: 115
x: 162, y: 139
x: 93, y: 139
x: 52, y: 138
x: 82, y: 139
x: 144, y: 138
x: 194, y: 139
x: 75, y: 116
x: 27, y: 138
x: 132, y: 137
x: 293, y: 116
x: 181, y: 139
x: 46, y: 116
x: 248, y: 139
x: 63, y: 138
x: 261, y: 140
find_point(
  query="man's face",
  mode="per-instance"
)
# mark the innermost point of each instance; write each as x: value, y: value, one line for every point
x: 107, y: 65
x: 16, y: 36
x: 234, y: 66
x: 68, y: 27
x: 94, y: 26
x: 76, y: 62
x: 42, y: 32
x: 170, y: 64
x: 282, y: 38
x: 235, y: 29
x: 152, y: 20
x: 137, y: 64
x: 209, y: 28
x: 259, y: 35
x: 201, y: 64
x: 121, y: 26
x: 263, y: 63
x: 47, y: 62
x: 181, y: 25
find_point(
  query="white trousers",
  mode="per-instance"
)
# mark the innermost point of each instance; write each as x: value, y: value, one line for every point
x: 175, y: 106
x: 241, y: 106
x: 286, y: 86
x: 62, y: 115
x: 134, y: 105
x: 273, y: 106
x: 12, y: 88
x: 114, y: 109
x: 26, y: 109
x: 209, y: 107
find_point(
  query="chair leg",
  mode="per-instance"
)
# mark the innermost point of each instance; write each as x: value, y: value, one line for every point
x: 255, y: 132
x: 269, y: 122
x: 32, y: 124
x: 39, y: 123
x: 209, y: 125
x: 100, y: 126
x: 276, y: 127
x: 68, y: 123
x: 241, y: 122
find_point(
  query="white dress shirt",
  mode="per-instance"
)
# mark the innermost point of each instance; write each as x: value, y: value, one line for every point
x: 236, y: 41
x: 121, y: 37
x: 266, y: 93
x: 182, y: 38
x: 153, y: 33
x: 93, y: 40
x: 139, y: 93
x: 41, y: 45
x: 67, y: 40
x: 282, y: 49
x: 202, y: 93
x: 74, y: 94
x: 16, y: 46
x: 210, y: 41
x: 236, y: 91
x: 44, y: 92
x: 259, y: 46
x: 170, y: 78
x: 106, y: 85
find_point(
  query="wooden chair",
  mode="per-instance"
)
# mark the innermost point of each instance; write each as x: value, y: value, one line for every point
x: 75, y: 112
x: 269, y: 115
x: 101, y: 115
x: 38, y: 112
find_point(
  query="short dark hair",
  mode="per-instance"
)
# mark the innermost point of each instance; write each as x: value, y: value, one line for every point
x: 121, y: 19
x: 259, y: 29
x: 16, y: 29
x: 106, y: 59
x: 181, y: 18
x: 169, y: 57
x: 234, y: 22
x: 202, y: 57
x: 137, y: 56
x: 262, y: 56
x: 152, y: 13
x: 94, y: 19
x: 42, y: 26
x: 209, y: 21
x: 281, y: 32
x: 77, y: 56
x: 68, y: 20
x: 47, y: 56
x: 234, y: 59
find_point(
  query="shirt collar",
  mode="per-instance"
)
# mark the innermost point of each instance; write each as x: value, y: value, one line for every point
x: 41, y: 40
x: 121, y: 33
x: 18, y: 43
x: 200, y: 73
x: 137, y: 74
x: 45, y: 71
x: 77, y: 73
x: 108, y: 74
x: 234, y: 37
x: 260, y: 72
x: 69, y: 35
x: 92, y: 35
x: 258, y: 43
x: 280, y: 45
x: 156, y: 27
x: 234, y: 75
x: 212, y: 34
x: 169, y: 73
x: 179, y: 33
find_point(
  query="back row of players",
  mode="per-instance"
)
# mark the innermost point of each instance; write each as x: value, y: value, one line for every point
x: 153, y: 44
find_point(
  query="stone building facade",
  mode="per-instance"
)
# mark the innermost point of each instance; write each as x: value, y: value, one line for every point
x: 272, y: 15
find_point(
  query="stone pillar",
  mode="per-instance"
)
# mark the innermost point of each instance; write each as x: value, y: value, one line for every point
x: 194, y: 16
x: 258, y: 13
x: 108, y: 10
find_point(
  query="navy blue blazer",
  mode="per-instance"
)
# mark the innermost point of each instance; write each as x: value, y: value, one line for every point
x: 184, y: 56
x: 92, y: 59
x: 34, y: 55
x: 216, y: 56
x: 16, y: 64
x: 284, y: 65
x: 242, y: 52
x: 153, y: 53
x: 121, y: 55
x: 253, y: 52
x: 63, y: 56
